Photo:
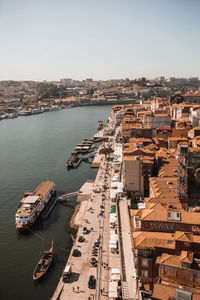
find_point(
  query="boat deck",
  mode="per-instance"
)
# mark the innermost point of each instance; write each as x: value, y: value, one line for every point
x: 43, y: 187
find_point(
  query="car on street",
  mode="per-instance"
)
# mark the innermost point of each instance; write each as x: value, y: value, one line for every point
x: 76, y: 252
x: 93, y: 262
x: 94, y: 250
x: 81, y: 239
x: 91, y: 282
x: 96, y: 243
x: 84, y: 230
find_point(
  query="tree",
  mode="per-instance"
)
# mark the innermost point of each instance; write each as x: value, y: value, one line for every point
x: 106, y: 151
x: 45, y: 90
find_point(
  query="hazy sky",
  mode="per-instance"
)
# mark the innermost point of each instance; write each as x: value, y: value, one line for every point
x: 102, y: 39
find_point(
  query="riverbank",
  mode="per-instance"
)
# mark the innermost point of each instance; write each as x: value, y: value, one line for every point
x: 81, y: 216
x: 34, y: 149
x: 80, y: 207
x: 39, y: 109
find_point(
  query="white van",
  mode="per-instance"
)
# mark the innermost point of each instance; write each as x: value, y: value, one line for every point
x: 66, y: 274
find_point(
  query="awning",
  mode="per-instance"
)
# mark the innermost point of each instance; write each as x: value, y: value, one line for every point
x: 115, y: 271
x: 115, y: 277
x: 113, y: 209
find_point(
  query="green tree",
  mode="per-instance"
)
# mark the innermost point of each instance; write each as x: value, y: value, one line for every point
x: 45, y: 90
x: 106, y: 151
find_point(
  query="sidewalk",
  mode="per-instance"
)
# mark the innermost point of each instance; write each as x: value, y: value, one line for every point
x: 127, y: 247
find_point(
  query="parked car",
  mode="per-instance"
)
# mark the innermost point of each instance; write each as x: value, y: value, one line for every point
x: 76, y: 252
x: 84, y: 230
x: 93, y: 262
x: 96, y: 243
x: 91, y: 282
x: 66, y: 273
x: 81, y: 239
x: 94, y: 250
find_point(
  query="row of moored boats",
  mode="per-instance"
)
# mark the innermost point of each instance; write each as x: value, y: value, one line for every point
x: 28, y: 112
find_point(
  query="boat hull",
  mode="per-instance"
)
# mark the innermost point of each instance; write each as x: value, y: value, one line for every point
x: 44, y: 263
x: 24, y: 228
x: 43, y: 273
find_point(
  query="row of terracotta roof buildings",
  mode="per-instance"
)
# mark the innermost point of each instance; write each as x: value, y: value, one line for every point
x: 161, y: 165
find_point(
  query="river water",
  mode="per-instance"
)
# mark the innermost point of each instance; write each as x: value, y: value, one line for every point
x: 34, y: 149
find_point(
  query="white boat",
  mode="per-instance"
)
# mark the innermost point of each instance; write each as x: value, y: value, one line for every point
x: 32, y: 204
x: 45, y: 109
x: 12, y: 115
x: 55, y: 107
x: 36, y: 111
x: 4, y: 116
x: 24, y: 112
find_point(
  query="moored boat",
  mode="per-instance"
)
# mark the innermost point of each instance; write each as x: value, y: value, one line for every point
x: 36, y: 111
x: 44, y: 263
x: 24, y: 112
x: 12, y: 115
x: 32, y: 204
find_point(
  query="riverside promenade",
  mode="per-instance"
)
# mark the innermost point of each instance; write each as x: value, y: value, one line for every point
x: 93, y: 212
x: 89, y: 215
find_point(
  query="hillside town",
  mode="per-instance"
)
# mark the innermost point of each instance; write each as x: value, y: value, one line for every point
x: 22, y: 98
x: 136, y: 227
x: 161, y: 169
x: 144, y: 206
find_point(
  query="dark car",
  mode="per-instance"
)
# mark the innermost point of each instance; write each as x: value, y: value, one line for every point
x: 96, y: 243
x: 94, y: 250
x: 81, y: 239
x: 93, y: 262
x: 91, y: 282
x: 76, y: 252
x: 85, y: 231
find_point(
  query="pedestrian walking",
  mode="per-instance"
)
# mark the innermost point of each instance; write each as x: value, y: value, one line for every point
x: 73, y: 289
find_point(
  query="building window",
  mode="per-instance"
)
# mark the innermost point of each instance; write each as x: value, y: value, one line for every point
x: 145, y: 262
x: 144, y: 273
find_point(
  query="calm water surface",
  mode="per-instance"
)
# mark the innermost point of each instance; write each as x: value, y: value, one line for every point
x: 33, y: 149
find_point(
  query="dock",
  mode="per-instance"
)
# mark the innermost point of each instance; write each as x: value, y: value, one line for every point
x: 48, y: 209
x: 67, y: 196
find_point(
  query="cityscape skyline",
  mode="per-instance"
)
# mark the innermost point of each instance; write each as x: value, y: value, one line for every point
x: 50, y: 40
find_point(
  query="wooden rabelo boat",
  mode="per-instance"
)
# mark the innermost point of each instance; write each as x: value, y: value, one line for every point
x: 44, y: 263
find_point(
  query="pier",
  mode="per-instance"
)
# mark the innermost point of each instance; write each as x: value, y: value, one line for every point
x: 87, y: 147
x: 48, y: 209
x: 67, y: 196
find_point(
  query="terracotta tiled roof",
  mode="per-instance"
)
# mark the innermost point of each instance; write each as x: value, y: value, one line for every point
x: 144, y: 239
x: 163, y: 292
x: 162, y: 216
x: 183, y: 236
x: 176, y: 260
